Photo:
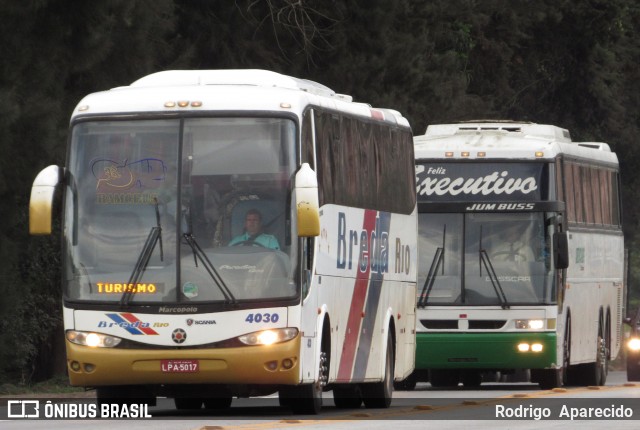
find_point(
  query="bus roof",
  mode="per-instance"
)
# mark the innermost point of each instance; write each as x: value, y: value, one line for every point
x: 505, y: 140
x: 225, y: 90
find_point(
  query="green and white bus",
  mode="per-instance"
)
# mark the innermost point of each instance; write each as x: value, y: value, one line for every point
x: 546, y: 299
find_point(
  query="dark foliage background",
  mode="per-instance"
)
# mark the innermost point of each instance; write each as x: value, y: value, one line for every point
x: 569, y: 63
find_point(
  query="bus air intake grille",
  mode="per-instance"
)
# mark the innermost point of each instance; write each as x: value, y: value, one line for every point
x: 486, y: 324
x: 440, y: 324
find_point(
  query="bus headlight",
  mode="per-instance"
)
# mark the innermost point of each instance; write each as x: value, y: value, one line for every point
x: 269, y: 337
x: 530, y: 324
x: 95, y: 340
x: 634, y: 344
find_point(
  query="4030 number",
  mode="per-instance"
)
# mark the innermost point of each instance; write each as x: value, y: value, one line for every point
x: 265, y: 317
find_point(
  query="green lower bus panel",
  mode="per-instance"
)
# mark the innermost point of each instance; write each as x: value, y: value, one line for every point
x: 483, y: 350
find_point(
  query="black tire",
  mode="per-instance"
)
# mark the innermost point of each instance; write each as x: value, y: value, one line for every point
x: 471, y: 378
x: 188, y: 403
x: 604, y: 341
x: 573, y: 373
x: 595, y: 374
x: 307, y: 399
x: 223, y: 402
x: 347, y: 396
x: 380, y: 394
x: 444, y: 378
x: 407, y: 384
x: 125, y: 395
x: 547, y: 378
x: 633, y: 367
x: 566, y: 352
x: 285, y: 397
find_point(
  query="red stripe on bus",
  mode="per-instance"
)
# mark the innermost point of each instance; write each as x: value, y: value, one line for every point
x: 352, y: 333
x: 132, y: 318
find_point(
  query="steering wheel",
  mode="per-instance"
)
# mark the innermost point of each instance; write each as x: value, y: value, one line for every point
x: 249, y: 242
x: 517, y: 257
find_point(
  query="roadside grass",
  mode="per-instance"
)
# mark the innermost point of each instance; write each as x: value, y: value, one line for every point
x: 59, y: 384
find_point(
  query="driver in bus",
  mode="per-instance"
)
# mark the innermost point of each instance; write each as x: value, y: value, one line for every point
x: 253, y: 234
x: 513, y: 246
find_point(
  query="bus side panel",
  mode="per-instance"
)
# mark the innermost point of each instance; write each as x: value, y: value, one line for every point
x: 594, y: 283
x: 401, y: 316
x: 363, y: 263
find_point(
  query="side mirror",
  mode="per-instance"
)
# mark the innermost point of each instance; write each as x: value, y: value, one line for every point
x: 561, y: 250
x: 41, y: 202
x: 308, y: 208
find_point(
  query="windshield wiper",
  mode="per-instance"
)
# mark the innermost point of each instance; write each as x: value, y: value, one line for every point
x: 484, y: 259
x: 431, y: 277
x: 438, y: 258
x: 155, y: 236
x: 199, y: 254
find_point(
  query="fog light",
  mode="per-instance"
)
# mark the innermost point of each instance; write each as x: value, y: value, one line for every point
x: 75, y: 366
x: 536, y: 347
x: 287, y: 363
x: 523, y: 347
x: 272, y: 365
x: 89, y: 367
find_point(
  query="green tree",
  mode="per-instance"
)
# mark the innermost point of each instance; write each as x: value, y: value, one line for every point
x: 52, y: 57
x: 568, y: 63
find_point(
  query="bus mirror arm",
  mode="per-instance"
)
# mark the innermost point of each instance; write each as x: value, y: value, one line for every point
x: 561, y: 250
x: 307, y: 205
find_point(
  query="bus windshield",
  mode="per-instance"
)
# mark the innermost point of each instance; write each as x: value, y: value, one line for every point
x: 180, y: 210
x: 485, y: 259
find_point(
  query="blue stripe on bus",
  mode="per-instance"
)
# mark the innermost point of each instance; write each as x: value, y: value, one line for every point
x: 371, y: 309
x: 124, y: 324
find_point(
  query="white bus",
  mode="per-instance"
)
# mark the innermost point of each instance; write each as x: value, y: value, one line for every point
x: 521, y: 250
x: 235, y: 233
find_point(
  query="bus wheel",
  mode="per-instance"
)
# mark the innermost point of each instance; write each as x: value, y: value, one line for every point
x: 222, y: 402
x: 307, y: 399
x: 547, y: 378
x: 596, y: 373
x: 573, y: 374
x: 566, y: 353
x: 285, y: 397
x: 124, y: 395
x: 408, y: 384
x: 444, y: 378
x: 471, y: 378
x: 633, y: 366
x: 379, y: 394
x: 347, y: 396
x: 188, y: 403
x: 602, y: 356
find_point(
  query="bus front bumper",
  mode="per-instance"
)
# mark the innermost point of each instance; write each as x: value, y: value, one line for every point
x: 273, y: 364
x: 484, y: 351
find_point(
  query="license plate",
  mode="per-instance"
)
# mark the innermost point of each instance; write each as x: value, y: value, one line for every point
x: 179, y: 366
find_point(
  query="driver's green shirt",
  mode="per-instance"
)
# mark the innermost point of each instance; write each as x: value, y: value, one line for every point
x: 266, y: 240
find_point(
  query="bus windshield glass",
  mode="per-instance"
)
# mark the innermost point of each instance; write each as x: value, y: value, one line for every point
x: 180, y: 211
x: 485, y: 259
